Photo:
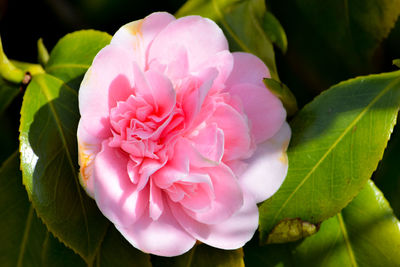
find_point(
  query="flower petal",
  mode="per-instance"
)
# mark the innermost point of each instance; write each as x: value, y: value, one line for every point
x: 232, y: 233
x: 89, y: 145
x: 115, y: 194
x: 228, y: 196
x: 267, y: 168
x: 247, y: 68
x: 237, y: 138
x: 111, y: 68
x: 136, y: 36
x: 164, y: 236
x: 192, y: 33
x: 264, y: 110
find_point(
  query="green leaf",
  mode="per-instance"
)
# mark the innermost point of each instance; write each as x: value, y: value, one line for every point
x: 396, y: 62
x: 43, y: 54
x: 8, y: 91
x: 25, y: 240
x: 202, y: 256
x: 331, y: 41
x: 32, y: 68
x: 7, y: 69
x: 365, y: 233
x: 48, y: 146
x: 242, y: 23
x: 73, y: 55
x: 387, y: 176
x: 274, y: 31
x: 337, y: 142
x: 116, y: 251
x: 285, y: 95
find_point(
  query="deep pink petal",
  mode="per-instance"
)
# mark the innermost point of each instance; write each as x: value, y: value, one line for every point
x: 164, y: 236
x: 116, y: 196
x: 228, y: 196
x: 247, y: 68
x: 264, y: 110
x: 136, y: 36
x: 232, y: 233
x: 201, y: 38
x: 267, y: 168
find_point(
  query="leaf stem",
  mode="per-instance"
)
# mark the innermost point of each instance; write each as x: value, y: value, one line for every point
x: 7, y: 70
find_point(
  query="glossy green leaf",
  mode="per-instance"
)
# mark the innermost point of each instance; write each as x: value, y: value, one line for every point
x: 285, y: 95
x: 387, y: 176
x: 43, y: 54
x: 32, y: 68
x: 337, y: 141
x: 49, y: 118
x: 25, y: 240
x: 116, y: 251
x: 8, y: 91
x: 242, y: 23
x: 365, y: 233
x: 202, y: 256
x: 331, y: 41
x: 8, y: 71
x: 274, y: 31
x: 396, y: 62
x: 73, y: 55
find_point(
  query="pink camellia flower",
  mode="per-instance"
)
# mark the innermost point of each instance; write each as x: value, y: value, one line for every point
x: 179, y: 139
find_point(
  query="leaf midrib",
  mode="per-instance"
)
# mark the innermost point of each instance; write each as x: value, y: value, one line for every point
x: 337, y: 141
x: 347, y: 240
x: 25, y: 237
x: 45, y: 91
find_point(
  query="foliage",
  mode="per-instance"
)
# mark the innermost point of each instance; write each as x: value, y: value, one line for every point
x: 328, y: 212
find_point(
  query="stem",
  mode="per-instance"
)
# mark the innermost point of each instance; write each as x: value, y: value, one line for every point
x: 7, y: 70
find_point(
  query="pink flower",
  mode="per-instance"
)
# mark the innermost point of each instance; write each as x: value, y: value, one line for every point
x: 179, y: 139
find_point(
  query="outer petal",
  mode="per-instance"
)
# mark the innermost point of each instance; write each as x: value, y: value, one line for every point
x: 164, y: 236
x: 247, y: 68
x: 116, y: 196
x: 267, y: 168
x: 232, y: 233
x: 89, y: 145
x: 111, y: 68
x: 264, y: 110
x: 201, y: 38
x: 136, y: 36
